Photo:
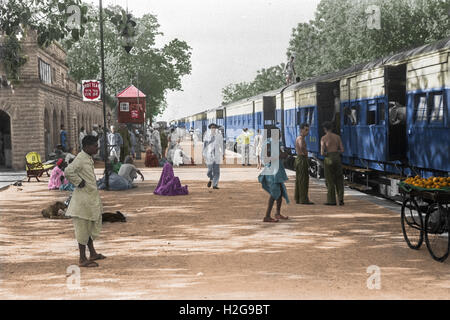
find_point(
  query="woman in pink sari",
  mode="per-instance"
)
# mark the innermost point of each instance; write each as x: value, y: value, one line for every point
x: 57, y: 176
x: 168, y: 184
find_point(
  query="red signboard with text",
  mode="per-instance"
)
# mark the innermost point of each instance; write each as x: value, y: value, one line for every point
x: 91, y: 90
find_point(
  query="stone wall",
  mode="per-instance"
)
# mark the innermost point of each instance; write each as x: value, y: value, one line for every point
x: 37, y: 109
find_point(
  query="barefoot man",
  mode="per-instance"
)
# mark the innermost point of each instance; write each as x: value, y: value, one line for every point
x: 85, y: 207
x: 302, y: 167
x: 331, y: 147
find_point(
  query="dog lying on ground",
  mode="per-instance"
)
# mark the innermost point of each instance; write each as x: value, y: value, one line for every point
x: 55, y: 211
x: 113, y: 217
x: 58, y: 210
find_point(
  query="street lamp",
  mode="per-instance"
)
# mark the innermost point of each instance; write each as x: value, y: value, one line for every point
x: 105, y: 133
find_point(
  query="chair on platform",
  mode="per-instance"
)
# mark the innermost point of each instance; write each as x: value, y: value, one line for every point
x: 34, y: 166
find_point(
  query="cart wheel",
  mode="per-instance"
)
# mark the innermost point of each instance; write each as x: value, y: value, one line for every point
x: 436, y: 232
x: 412, y: 224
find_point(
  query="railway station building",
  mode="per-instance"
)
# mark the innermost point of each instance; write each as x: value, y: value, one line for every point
x: 32, y: 112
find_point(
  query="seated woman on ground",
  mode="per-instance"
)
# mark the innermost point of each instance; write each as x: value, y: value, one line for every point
x: 168, y: 184
x: 116, y: 182
x: 151, y: 160
x: 57, y: 179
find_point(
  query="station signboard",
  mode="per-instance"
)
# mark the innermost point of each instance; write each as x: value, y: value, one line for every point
x: 91, y: 90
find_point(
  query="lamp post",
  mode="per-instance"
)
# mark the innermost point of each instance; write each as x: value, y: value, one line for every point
x: 105, y: 133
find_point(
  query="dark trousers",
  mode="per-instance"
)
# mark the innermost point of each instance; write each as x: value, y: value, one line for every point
x: 301, y: 179
x: 334, y: 177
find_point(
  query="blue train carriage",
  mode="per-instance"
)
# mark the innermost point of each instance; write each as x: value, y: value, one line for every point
x: 387, y: 123
x: 314, y: 103
x: 428, y: 110
x: 239, y: 115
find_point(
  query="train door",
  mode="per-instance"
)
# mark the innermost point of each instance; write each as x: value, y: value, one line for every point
x: 395, y: 84
x: 325, y: 103
x: 350, y: 118
x: 269, y: 109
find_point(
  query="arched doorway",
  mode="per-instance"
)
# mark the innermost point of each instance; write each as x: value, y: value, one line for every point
x: 47, y: 133
x: 5, y: 140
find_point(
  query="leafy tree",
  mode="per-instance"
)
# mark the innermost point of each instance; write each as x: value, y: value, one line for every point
x: 340, y: 35
x: 269, y: 79
x: 47, y: 17
x: 154, y: 70
x: 237, y: 91
x: 265, y: 80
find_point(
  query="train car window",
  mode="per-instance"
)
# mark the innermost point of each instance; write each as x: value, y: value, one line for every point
x: 371, y: 115
x: 437, y: 113
x: 381, y: 113
x: 420, y: 108
x: 311, y: 116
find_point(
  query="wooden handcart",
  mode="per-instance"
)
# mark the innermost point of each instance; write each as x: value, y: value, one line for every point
x: 425, y: 215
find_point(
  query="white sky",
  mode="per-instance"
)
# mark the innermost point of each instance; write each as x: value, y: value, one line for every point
x: 230, y: 40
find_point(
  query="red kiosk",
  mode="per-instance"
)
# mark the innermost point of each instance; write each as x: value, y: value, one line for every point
x: 131, y: 106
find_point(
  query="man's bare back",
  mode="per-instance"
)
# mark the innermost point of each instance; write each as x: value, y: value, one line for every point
x: 331, y: 142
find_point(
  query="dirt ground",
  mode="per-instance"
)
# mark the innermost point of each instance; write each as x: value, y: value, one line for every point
x: 212, y: 244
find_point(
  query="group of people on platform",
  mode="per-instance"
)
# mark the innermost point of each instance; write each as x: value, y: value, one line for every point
x: 85, y: 206
x: 331, y: 148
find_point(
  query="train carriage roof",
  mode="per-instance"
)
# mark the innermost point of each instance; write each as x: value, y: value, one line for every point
x: 388, y: 60
x: 335, y: 76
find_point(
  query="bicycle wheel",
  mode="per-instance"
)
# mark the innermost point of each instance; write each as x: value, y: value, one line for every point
x: 412, y: 224
x: 436, y: 232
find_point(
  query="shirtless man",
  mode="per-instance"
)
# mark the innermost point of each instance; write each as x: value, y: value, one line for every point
x: 331, y: 147
x: 302, y: 167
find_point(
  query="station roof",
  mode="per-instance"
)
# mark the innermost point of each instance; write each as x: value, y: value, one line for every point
x: 131, y: 92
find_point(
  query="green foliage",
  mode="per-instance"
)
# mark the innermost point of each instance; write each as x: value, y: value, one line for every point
x: 47, y: 17
x: 265, y: 80
x: 339, y: 36
x: 237, y: 91
x: 153, y: 70
x: 12, y: 57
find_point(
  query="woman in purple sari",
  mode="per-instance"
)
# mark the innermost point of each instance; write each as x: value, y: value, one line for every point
x: 168, y: 184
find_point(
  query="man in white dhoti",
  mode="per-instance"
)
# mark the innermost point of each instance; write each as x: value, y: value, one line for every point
x: 85, y: 207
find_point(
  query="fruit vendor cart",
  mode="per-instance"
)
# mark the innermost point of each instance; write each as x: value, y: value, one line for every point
x: 425, y: 215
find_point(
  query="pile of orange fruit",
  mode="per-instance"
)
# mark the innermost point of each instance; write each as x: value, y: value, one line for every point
x: 430, y: 183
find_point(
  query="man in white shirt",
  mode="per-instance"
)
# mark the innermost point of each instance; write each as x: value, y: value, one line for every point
x: 213, y: 154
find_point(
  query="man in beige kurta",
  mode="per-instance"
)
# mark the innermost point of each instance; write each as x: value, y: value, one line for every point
x: 85, y: 207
